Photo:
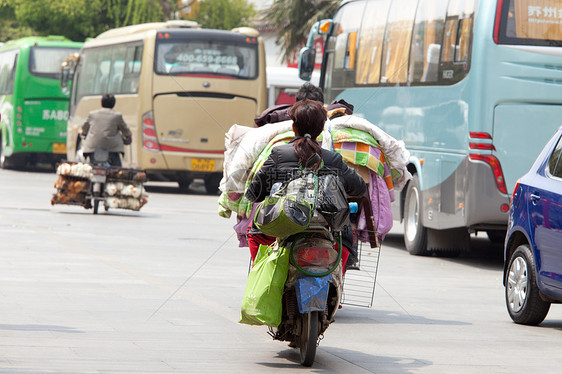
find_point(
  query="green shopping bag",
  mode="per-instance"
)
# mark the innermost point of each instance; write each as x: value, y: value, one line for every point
x: 262, y: 303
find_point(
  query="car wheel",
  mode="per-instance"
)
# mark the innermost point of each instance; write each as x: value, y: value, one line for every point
x: 522, y: 295
x: 415, y: 234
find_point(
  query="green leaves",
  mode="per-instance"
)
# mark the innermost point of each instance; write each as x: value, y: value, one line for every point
x: 225, y: 14
x: 294, y: 18
x: 77, y: 19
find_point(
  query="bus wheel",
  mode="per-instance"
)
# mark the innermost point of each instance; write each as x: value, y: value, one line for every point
x: 496, y: 236
x: 415, y: 234
x: 184, y: 183
x: 8, y: 162
x: 212, y: 184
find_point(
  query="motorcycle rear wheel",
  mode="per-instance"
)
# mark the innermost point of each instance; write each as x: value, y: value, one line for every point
x: 96, y: 205
x: 308, y: 338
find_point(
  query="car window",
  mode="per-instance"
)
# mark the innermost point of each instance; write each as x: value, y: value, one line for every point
x: 555, y: 161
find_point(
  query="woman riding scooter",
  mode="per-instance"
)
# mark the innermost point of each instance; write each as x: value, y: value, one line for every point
x: 105, y: 128
x: 308, y: 118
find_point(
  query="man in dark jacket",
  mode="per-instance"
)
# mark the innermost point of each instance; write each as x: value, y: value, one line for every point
x: 278, y: 113
x: 105, y: 128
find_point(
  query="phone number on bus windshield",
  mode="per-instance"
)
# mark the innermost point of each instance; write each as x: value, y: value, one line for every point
x: 208, y: 59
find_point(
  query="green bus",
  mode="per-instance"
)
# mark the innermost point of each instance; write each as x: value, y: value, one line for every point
x: 33, y: 107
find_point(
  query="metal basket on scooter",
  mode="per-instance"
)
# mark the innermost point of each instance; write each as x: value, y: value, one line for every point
x: 359, y: 282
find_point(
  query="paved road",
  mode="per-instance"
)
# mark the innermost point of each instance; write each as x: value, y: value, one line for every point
x: 158, y: 291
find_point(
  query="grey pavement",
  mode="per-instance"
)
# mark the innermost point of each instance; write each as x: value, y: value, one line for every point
x: 159, y: 291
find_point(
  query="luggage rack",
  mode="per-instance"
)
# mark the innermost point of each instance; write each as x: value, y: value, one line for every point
x: 359, y: 285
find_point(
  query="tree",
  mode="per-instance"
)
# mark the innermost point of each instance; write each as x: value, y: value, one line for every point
x: 9, y: 28
x: 294, y: 18
x: 80, y: 19
x: 71, y: 18
x: 224, y: 14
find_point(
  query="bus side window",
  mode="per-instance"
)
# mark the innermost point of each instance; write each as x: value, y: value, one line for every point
x: 345, y: 23
x: 343, y: 43
x: 426, y: 41
x: 132, y: 69
x: 350, y: 51
x: 457, y: 41
x: 396, y: 47
x: 102, y: 77
x: 370, y: 42
x: 465, y: 30
x: 8, y: 63
x: 450, y: 40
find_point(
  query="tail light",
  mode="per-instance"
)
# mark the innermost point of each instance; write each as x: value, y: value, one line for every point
x: 496, y: 168
x: 515, y: 191
x: 315, y: 256
x: 497, y: 22
x: 485, y: 144
x: 149, y: 138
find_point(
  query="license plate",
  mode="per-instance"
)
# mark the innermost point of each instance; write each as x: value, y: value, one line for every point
x: 59, y: 148
x: 202, y: 164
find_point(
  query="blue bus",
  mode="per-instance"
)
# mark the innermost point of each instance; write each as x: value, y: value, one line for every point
x: 474, y: 88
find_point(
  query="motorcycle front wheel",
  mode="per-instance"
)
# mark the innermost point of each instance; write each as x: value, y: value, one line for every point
x: 308, y: 338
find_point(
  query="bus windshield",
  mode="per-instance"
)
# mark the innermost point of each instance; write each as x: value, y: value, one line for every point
x: 46, y: 61
x: 213, y: 57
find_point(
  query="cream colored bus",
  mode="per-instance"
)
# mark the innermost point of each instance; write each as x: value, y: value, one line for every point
x: 179, y: 88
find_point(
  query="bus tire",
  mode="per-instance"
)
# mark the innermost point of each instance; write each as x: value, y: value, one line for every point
x: 184, y: 182
x: 212, y: 184
x: 415, y: 234
x: 496, y: 236
x: 8, y: 162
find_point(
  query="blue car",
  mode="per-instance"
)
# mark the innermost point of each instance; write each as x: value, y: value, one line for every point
x: 533, y: 244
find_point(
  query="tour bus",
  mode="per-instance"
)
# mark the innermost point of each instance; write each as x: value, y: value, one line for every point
x: 179, y: 88
x: 472, y: 87
x: 33, y: 107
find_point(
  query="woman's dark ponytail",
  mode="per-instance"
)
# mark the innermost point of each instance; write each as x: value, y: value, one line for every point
x: 308, y: 118
x: 305, y: 148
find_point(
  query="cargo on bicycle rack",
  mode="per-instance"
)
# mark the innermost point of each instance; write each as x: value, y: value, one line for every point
x: 88, y: 185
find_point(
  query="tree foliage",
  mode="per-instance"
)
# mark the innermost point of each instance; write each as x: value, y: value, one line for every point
x: 294, y: 18
x: 79, y: 19
x: 224, y: 14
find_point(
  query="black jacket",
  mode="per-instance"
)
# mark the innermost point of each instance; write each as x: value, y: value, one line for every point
x: 282, y: 165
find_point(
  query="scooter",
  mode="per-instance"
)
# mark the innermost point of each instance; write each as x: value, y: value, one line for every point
x: 313, y: 289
